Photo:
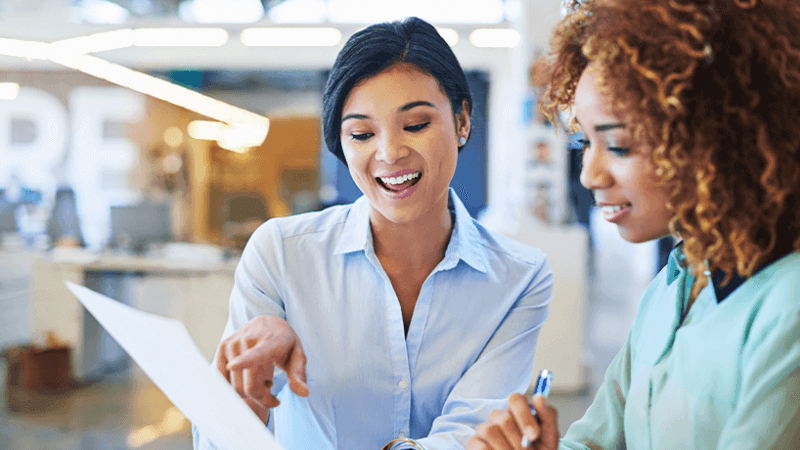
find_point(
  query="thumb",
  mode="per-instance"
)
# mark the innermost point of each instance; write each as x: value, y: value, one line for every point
x: 296, y: 371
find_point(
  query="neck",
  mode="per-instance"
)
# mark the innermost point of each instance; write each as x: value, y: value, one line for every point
x: 423, y: 241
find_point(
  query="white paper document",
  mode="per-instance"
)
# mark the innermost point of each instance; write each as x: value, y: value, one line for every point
x: 165, y: 351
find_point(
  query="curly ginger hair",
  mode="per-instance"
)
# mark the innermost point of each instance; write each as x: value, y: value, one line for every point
x: 712, y: 87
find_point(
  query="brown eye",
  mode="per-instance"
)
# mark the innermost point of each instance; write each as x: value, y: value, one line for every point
x: 415, y: 128
x: 362, y: 136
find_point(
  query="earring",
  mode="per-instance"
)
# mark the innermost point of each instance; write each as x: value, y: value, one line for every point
x: 462, y: 140
x: 706, y: 272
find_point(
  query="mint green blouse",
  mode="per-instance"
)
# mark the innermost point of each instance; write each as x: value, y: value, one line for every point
x: 727, y: 376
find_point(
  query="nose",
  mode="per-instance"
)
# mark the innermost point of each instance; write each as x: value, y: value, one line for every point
x: 594, y: 173
x: 391, y: 149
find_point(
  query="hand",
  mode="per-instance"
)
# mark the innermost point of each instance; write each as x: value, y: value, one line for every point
x: 505, y: 427
x: 248, y: 357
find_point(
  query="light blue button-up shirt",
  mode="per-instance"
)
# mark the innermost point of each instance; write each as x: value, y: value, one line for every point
x: 470, y: 343
x: 724, y: 375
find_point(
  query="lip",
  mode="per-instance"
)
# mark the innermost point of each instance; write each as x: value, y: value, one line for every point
x: 398, y: 173
x: 614, y: 217
x: 399, y: 195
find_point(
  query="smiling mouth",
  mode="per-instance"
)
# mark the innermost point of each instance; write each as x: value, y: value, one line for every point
x: 614, y: 213
x: 613, y: 209
x: 396, y: 184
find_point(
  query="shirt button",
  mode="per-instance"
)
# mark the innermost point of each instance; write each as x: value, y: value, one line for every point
x: 402, y: 384
x: 401, y: 435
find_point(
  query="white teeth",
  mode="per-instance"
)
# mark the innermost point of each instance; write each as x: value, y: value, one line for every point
x: 614, y: 209
x: 401, y: 179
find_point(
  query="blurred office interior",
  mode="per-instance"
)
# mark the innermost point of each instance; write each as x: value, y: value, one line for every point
x: 142, y: 142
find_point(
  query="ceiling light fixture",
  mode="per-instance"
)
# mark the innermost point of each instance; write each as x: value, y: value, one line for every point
x: 449, y: 35
x: 439, y: 11
x: 298, y: 11
x: 24, y: 49
x: 291, y: 37
x: 236, y: 138
x: 8, y: 91
x: 180, y: 37
x: 494, y: 38
x: 98, y: 42
x: 216, y: 11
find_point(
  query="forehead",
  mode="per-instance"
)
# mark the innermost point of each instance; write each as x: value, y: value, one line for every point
x: 592, y: 103
x: 393, y: 88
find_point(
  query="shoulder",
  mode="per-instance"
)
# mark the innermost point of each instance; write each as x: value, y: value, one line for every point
x: 771, y: 303
x: 302, y: 224
x: 774, y: 293
x: 502, y: 249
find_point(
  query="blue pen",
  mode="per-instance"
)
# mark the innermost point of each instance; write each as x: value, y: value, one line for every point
x: 543, y: 389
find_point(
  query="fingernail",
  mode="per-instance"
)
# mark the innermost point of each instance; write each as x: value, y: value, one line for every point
x: 530, y: 433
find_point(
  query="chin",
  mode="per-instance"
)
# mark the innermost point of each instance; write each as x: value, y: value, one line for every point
x: 635, y: 237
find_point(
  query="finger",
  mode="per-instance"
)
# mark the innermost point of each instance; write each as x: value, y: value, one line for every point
x: 476, y: 443
x: 521, y: 410
x: 269, y: 401
x: 548, y: 418
x: 260, y: 354
x: 258, y: 385
x: 236, y: 376
x: 296, y: 371
x: 508, y: 427
x: 492, y: 434
x: 254, y: 385
x: 260, y: 410
x: 222, y: 361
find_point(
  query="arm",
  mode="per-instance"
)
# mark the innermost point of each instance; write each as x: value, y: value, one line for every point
x: 504, y: 366
x: 257, y: 337
x: 600, y: 428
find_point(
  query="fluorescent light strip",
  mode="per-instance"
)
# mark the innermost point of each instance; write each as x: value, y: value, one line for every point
x: 180, y: 37
x: 449, y: 35
x: 438, y: 11
x: 236, y: 138
x: 207, y: 130
x: 8, y: 91
x: 24, y: 49
x: 142, y: 37
x: 98, y: 42
x: 494, y: 37
x: 291, y: 37
x: 163, y: 90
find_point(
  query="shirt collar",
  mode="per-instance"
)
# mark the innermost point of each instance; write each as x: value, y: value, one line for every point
x: 356, y: 235
x: 676, y: 266
x: 464, y: 240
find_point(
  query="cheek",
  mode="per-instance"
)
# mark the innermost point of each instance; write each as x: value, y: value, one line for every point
x: 354, y: 160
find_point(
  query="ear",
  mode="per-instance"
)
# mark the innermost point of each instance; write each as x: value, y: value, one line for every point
x: 462, y: 120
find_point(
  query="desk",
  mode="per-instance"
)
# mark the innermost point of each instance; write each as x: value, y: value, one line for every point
x: 195, y: 293
x: 15, y: 304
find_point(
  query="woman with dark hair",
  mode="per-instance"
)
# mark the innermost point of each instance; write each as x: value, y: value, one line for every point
x: 399, y: 320
x: 690, y: 109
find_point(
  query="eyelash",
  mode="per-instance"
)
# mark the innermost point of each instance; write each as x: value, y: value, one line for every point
x: 411, y: 128
x: 361, y: 137
x: 619, y: 151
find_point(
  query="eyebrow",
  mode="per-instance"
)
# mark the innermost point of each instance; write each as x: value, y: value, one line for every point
x: 603, y: 126
x: 608, y: 126
x: 415, y: 104
x: 403, y: 108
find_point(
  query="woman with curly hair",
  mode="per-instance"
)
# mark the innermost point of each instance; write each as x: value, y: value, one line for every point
x: 691, y: 114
